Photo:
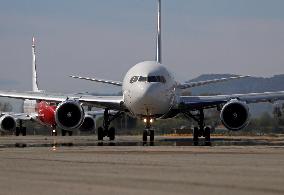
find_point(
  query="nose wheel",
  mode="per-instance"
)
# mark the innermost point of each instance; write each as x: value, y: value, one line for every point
x: 148, y: 132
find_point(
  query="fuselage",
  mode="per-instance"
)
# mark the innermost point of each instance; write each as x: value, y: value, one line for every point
x: 43, y: 111
x: 149, y: 90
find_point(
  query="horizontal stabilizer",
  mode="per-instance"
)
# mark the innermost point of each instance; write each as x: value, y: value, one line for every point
x: 200, y: 83
x: 117, y: 83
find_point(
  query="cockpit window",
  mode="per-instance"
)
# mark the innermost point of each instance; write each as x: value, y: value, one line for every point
x: 133, y: 79
x: 161, y: 79
x: 150, y: 79
x: 142, y: 79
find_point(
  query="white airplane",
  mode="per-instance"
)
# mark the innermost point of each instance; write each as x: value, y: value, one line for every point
x: 150, y: 92
x: 40, y: 111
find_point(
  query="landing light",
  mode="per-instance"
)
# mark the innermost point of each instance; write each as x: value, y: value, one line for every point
x: 145, y: 120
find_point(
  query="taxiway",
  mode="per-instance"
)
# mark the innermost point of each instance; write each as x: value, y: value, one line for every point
x: 89, y: 169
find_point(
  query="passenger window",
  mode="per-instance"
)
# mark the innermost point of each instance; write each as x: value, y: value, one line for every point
x: 134, y: 79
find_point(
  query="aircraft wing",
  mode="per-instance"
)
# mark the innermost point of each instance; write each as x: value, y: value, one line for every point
x: 21, y: 116
x: 200, y: 83
x: 199, y: 102
x: 111, y: 102
x: 99, y: 112
x: 117, y: 83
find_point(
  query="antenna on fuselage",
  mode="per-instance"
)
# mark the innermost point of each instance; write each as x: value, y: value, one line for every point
x: 159, y: 35
x: 34, y: 72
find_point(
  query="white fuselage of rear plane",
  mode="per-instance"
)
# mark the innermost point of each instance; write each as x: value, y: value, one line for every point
x: 149, y: 90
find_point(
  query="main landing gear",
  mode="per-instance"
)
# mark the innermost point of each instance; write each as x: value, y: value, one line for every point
x: 21, y: 130
x: 201, y: 130
x: 148, y: 132
x: 105, y: 131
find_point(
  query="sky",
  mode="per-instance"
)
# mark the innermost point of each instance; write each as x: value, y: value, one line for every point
x: 104, y: 38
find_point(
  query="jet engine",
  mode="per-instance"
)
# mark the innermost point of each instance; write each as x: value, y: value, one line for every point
x: 69, y: 115
x: 235, y: 115
x: 89, y: 124
x: 7, y: 123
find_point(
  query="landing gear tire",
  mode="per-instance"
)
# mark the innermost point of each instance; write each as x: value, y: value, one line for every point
x: 111, y: 133
x: 195, y: 136
x: 70, y: 133
x: 24, y: 131
x: 17, y: 131
x: 105, y: 130
x: 145, y: 135
x: 63, y: 132
x: 152, y: 135
x: 200, y: 130
x: 100, y: 134
x: 207, y: 132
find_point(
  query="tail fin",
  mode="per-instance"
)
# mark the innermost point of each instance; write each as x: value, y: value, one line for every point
x: 159, y: 35
x: 34, y: 73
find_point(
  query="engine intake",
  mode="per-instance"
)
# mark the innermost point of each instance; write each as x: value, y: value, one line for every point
x: 235, y: 115
x: 7, y: 123
x: 89, y: 124
x: 69, y: 115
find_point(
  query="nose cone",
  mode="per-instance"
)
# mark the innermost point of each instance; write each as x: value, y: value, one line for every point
x: 150, y: 100
x: 145, y: 98
x: 148, y: 95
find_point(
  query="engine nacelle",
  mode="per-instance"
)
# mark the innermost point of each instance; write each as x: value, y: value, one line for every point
x: 7, y: 123
x: 235, y: 115
x: 69, y: 115
x: 88, y: 124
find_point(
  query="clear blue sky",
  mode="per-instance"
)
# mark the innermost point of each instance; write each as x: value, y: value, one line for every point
x: 104, y: 38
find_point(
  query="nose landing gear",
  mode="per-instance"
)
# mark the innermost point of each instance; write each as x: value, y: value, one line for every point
x: 148, y: 132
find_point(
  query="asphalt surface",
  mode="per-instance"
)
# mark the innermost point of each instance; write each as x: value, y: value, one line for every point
x: 47, y: 165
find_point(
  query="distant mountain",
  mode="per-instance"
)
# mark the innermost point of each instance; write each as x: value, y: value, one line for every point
x: 246, y: 85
